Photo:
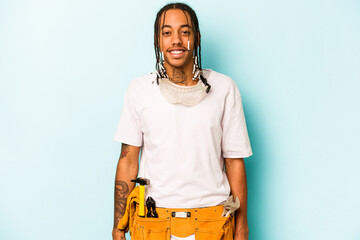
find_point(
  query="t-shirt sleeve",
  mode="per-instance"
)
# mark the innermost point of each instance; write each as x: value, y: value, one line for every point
x: 235, y: 139
x: 128, y: 129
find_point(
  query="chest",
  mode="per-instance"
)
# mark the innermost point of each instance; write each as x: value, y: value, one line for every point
x: 157, y: 115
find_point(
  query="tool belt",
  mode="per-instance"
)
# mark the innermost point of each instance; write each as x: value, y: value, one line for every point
x: 206, y: 223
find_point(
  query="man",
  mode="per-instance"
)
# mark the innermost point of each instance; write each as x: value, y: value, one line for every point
x: 189, y: 124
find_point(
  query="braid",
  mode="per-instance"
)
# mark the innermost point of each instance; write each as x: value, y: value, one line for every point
x: 195, y: 25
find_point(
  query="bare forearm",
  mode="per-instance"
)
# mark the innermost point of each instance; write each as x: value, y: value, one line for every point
x: 236, y: 173
x: 123, y: 187
x: 127, y: 170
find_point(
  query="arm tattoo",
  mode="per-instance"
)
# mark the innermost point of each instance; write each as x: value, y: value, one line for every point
x: 179, y: 76
x: 121, y: 190
x: 125, y: 149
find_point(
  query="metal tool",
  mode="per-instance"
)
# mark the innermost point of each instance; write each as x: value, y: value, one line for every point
x: 151, y: 207
x: 142, y: 182
x: 230, y: 206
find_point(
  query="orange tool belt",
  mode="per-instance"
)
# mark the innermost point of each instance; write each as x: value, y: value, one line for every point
x: 206, y: 223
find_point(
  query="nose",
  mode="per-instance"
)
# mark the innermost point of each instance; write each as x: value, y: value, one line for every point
x: 176, y: 40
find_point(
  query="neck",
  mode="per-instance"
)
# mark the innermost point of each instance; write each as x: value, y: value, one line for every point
x: 181, y: 75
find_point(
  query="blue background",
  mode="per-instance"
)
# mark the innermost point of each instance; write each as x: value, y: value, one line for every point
x: 64, y: 68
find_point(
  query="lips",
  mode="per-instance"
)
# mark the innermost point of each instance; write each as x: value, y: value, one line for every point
x: 177, y: 52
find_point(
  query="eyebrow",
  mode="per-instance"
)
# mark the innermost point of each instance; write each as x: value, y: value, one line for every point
x: 185, y: 25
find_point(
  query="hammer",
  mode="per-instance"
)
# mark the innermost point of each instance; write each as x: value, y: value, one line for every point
x: 142, y: 182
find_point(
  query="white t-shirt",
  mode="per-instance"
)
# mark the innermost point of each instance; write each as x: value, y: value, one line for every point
x: 183, y: 148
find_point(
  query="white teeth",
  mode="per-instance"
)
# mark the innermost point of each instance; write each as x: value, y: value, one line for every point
x: 176, y: 52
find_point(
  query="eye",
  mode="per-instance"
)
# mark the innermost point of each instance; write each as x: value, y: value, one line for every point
x: 186, y: 32
x: 166, y: 33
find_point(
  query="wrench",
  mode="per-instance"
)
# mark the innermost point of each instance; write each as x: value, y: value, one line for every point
x: 230, y: 205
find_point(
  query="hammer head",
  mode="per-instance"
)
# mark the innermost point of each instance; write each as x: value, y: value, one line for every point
x: 142, y: 181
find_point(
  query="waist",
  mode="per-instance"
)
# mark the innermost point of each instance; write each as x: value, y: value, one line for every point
x: 211, y: 211
x: 183, y: 222
x: 186, y: 198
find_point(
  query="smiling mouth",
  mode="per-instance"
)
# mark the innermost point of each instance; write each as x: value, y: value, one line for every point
x: 177, y: 53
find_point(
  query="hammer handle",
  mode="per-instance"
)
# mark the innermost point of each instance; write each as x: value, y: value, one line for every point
x: 142, y: 201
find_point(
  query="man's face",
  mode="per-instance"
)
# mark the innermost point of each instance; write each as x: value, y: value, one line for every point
x: 174, y: 38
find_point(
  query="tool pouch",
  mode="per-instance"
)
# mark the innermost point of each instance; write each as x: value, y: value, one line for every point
x: 151, y: 229
x: 143, y: 228
x: 215, y: 228
x: 206, y: 223
x: 127, y: 221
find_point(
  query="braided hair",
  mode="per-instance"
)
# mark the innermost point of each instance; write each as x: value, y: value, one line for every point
x: 195, y: 27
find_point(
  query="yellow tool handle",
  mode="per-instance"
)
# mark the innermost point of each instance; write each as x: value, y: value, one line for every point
x: 141, y: 201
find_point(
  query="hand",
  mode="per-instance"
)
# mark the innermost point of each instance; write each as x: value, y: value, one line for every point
x: 118, y: 234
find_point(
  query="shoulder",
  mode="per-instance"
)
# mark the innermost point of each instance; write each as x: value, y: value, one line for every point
x: 142, y: 81
x: 221, y: 81
x: 140, y: 85
x: 141, y: 88
x: 217, y: 76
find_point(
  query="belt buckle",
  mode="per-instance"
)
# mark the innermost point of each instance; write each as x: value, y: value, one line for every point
x: 181, y: 214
